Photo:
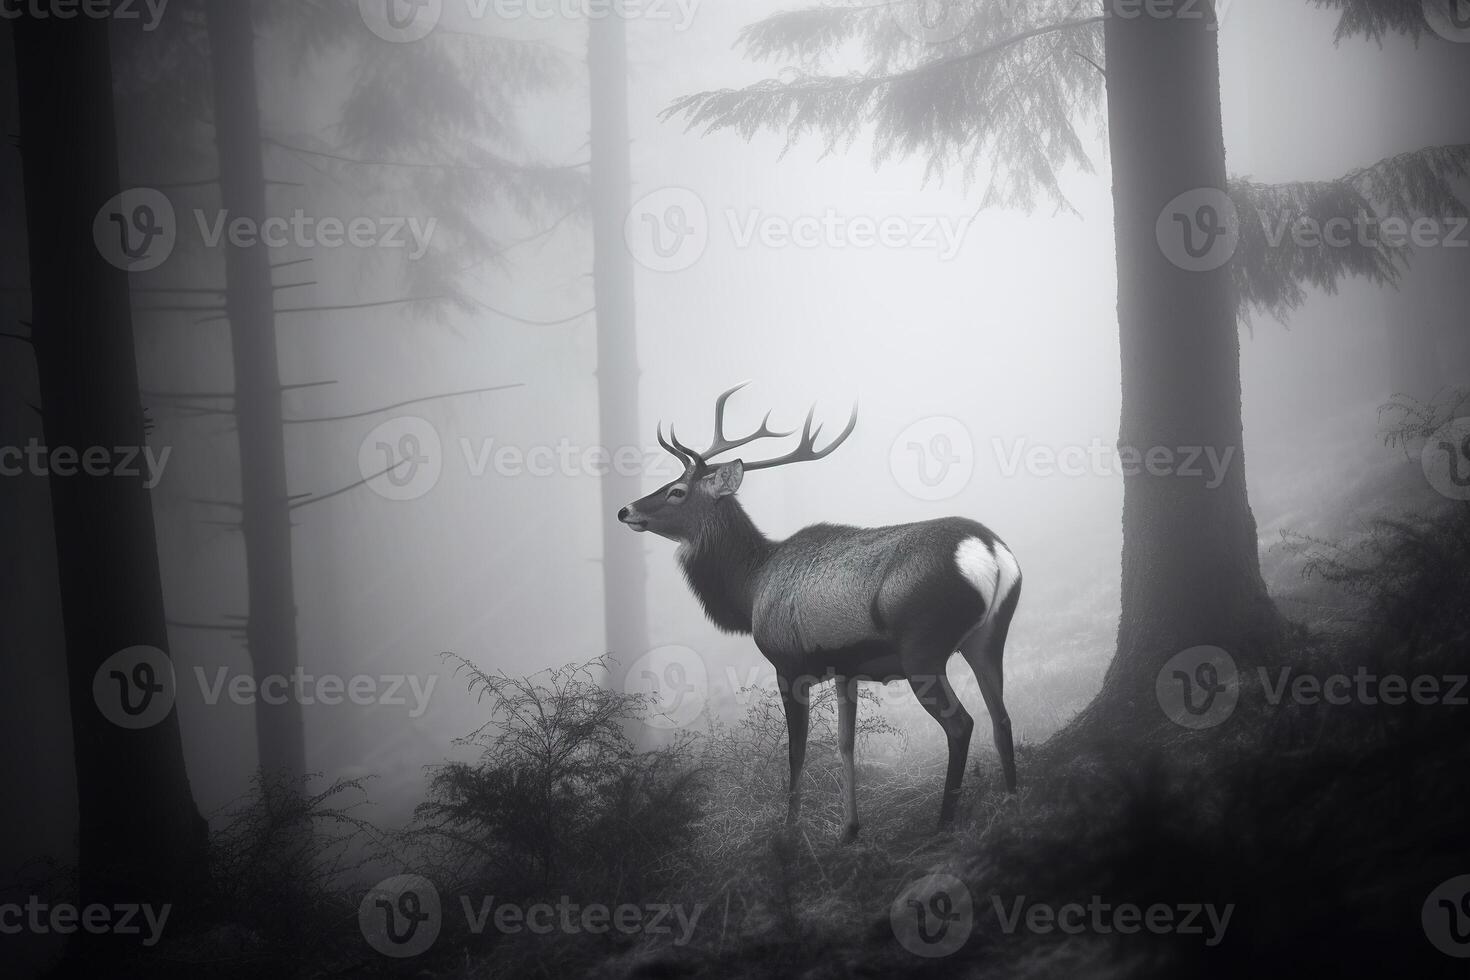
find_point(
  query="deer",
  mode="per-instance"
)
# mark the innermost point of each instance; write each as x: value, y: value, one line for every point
x: 845, y: 603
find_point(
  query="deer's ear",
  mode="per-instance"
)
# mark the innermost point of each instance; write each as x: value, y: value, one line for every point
x: 726, y: 480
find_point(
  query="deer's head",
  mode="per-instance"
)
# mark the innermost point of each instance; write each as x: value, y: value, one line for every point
x: 680, y: 509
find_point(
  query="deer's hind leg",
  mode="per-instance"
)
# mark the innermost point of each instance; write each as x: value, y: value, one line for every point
x: 984, y: 650
x: 925, y: 667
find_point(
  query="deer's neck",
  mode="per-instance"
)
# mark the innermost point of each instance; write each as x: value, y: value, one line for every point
x: 722, y: 563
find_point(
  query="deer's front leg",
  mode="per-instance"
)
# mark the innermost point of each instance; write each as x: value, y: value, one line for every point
x: 847, y: 699
x: 796, y: 699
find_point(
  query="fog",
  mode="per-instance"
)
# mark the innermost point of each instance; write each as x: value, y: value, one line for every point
x: 1013, y: 336
x: 979, y: 341
x: 1001, y: 320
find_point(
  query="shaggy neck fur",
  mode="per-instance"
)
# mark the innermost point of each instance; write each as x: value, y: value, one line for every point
x: 721, y: 565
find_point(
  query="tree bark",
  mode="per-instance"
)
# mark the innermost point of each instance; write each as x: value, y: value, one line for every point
x: 623, y: 572
x: 140, y: 836
x: 250, y: 305
x: 1191, y: 568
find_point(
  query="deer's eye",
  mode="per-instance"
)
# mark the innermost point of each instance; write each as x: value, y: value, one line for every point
x: 677, y: 494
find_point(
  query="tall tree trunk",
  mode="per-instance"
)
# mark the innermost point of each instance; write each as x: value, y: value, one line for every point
x: 250, y: 303
x: 140, y: 836
x: 1191, y: 570
x: 33, y: 702
x: 623, y: 572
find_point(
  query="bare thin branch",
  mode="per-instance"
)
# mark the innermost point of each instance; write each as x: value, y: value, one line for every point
x: 404, y: 404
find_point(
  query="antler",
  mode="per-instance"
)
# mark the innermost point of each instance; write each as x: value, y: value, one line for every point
x: 805, y: 451
x: 722, y: 442
x: 677, y: 451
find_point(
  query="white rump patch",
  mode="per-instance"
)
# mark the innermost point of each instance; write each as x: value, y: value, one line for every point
x: 979, y: 567
x: 992, y: 573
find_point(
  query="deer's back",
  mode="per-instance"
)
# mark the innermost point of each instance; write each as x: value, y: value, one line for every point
x: 831, y: 588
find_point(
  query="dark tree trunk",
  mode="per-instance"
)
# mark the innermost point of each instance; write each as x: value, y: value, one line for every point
x: 1191, y: 570
x: 623, y: 573
x: 250, y: 303
x: 140, y: 835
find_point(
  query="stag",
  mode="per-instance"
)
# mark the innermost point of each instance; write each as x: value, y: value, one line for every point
x: 847, y: 603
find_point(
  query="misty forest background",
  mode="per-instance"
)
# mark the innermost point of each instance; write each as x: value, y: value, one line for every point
x: 529, y: 321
